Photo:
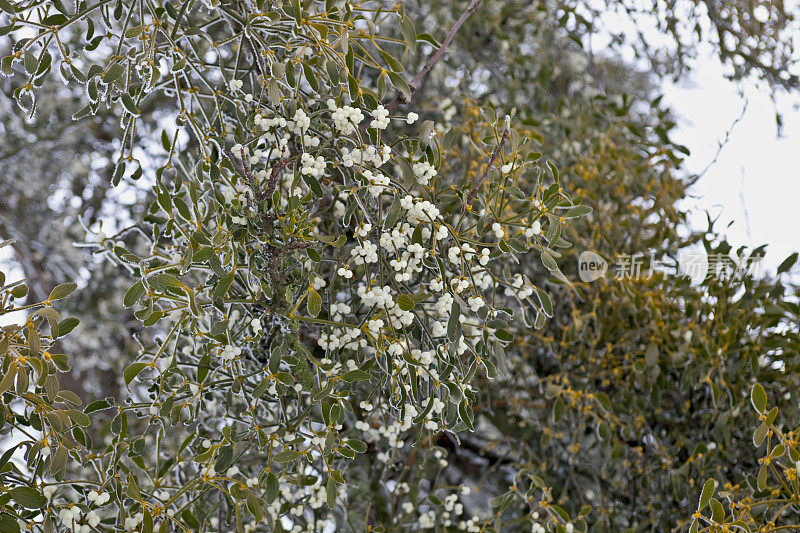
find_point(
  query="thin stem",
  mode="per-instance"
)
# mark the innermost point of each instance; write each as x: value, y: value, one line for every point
x: 415, y: 83
x: 496, y: 152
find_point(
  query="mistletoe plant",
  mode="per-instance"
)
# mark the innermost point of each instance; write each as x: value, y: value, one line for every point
x: 310, y: 286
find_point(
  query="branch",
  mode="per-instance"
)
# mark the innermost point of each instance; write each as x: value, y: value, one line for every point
x: 720, y: 145
x: 279, y: 165
x: 245, y: 171
x: 496, y: 152
x: 401, y: 98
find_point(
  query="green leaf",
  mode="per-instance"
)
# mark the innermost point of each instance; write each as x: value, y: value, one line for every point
x: 353, y: 88
x: 8, y: 379
x: 578, y: 211
x: 393, y: 63
x: 134, y: 31
x: 132, y: 371
x: 274, y: 92
x: 651, y: 354
x: 190, y: 519
x: 393, y: 214
x: 308, y: 73
x: 548, y: 261
x: 454, y: 322
x: 8, y: 523
x: 261, y: 388
x: 761, y: 481
x: 559, y: 409
x: 428, y: 38
x: 356, y: 445
x: 133, y: 487
x: 54, y: 20
x: 113, y: 73
x: 167, y: 280
x: 62, y: 291
x: 465, y: 414
x: 547, y: 304
x: 223, y: 285
x: 271, y: 490
x: 224, y: 459
x: 286, y: 456
x: 97, y: 405
x: 30, y: 62
x: 758, y: 397
x: 130, y: 105
x: 193, y: 307
x: 254, y: 506
x: 147, y: 521
x: 705, y: 496
x: 83, y: 112
x: 7, y: 455
x: 504, y: 335
x: 203, y: 367
x: 28, y: 497
x: 787, y: 263
x: 313, y: 254
x: 400, y: 84
x: 426, y: 132
x: 760, y: 434
x: 604, y: 400
x: 330, y: 492
x: 409, y: 32
x: 133, y: 294
x: 79, y: 418
x: 405, y: 302
x: 356, y: 375
x: 165, y: 141
x: 313, y: 184
x: 8, y: 7
x: 183, y: 209
x: 7, y: 65
x: 19, y: 291
x: 67, y: 325
x: 554, y: 170
x: 314, y: 303
x: 297, y: 13
x: 44, y: 63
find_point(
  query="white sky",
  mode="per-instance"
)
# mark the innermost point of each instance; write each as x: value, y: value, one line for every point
x: 756, y: 177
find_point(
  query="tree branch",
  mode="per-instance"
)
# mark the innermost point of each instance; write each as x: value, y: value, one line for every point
x: 496, y: 152
x: 401, y: 98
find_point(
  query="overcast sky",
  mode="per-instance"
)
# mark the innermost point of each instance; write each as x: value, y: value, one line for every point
x: 755, y: 182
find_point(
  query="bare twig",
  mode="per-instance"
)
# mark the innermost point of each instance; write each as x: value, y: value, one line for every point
x: 720, y: 145
x: 243, y: 169
x: 261, y: 194
x: 401, y: 98
x: 279, y: 165
x: 495, y: 153
x: 235, y: 163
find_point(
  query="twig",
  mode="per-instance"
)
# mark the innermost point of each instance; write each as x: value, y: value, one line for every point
x: 401, y: 98
x: 245, y: 171
x: 496, y: 152
x: 279, y: 165
x: 720, y: 145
